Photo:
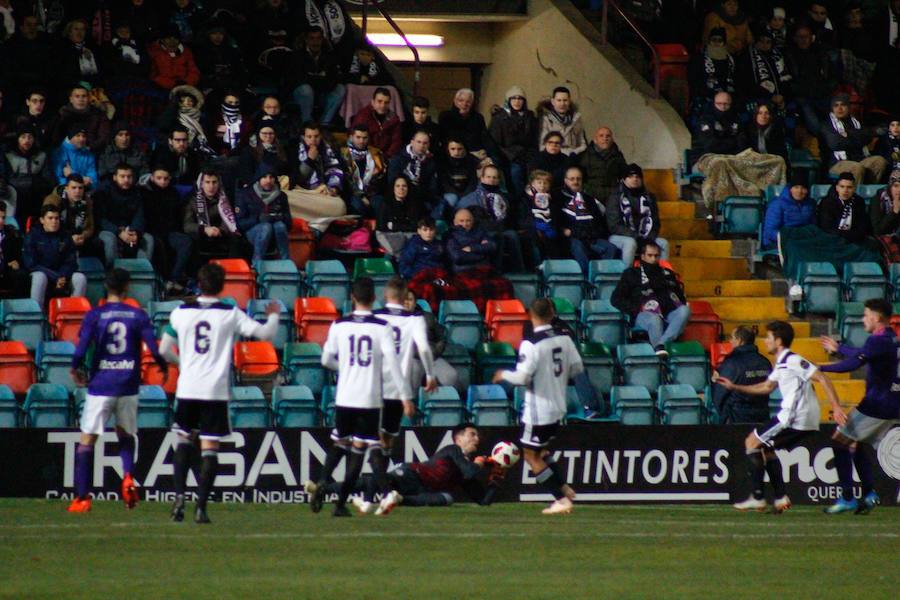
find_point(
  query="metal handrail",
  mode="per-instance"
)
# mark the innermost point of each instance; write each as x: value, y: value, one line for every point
x: 415, y: 52
x: 604, y: 38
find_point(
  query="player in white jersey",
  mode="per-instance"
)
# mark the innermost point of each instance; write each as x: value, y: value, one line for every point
x: 204, y: 331
x: 793, y: 375
x: 547, y: 360
x: 361, y: 348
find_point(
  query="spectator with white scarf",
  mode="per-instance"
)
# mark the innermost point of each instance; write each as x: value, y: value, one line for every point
x: 632, y: 216
x: 229, y: 125
x: 263, y: 214
x: 365, y: 171
x: 582, y: 221
x: 319, y: 167
x: 417, y: 163
x: 492, y: 211
x: 843, y: 212
x: 846, y: 144
x: 762, y: 72
x: 77, y: 62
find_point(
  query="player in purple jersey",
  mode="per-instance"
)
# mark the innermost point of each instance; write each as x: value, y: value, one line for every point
x: 115, y: 330
x: 879, y: 410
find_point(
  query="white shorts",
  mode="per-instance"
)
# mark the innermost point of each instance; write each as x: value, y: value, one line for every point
x: 864, y: 428
x: 97, y: 410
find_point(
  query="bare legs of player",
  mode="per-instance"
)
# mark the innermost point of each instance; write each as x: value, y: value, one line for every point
x: 550, y: 476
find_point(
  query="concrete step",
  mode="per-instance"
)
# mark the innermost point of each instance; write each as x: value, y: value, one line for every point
x: 807, y: 347
x: 662, y: 183
x: 747, y: 309
x: 685, y: 229
x: 698, y: 269
x: 850, y: 393
x: 678, y: 209
x: 801, y: 328
x: 701, y: 248
x: 729, y: 288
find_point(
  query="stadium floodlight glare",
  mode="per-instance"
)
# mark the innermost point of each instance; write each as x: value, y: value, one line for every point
x: 418, y: 40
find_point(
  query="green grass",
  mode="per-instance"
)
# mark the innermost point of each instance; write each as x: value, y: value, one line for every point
x: 503, y: 551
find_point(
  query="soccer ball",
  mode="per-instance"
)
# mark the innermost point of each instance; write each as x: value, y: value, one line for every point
x: 506, y: 454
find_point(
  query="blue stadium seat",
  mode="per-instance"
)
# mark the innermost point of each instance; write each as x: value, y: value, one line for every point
x: 489, y: 405
x: 279, y: 280
x: 23, y: 320
x: 773, y: 191
x: 688, y: 364
x: 741, y: 214
x: 441, y: 408
x: 562, y: 278
x: 159, y: 312
x: 850, y: 326
x: 327, y: 279
x: 423, y: 305
x: 294, y: 406
x: 47, y: 406
x: 821, y: 287
x: 678, y: 404
x: 464, y: 323
x: 459, y: 358
x: 604, y: 275
x: 95, y: 274
x: 303, y: 365
x: 248, y: 408
x: 256, y: 309
x: 53, y: 361
x: 144, y: 286
x: 9, y: 408
x: 632, y: 405
x: 863, y: 281
x: 602, y: 322
x: 640, y: 365
x: 526, y: 286
x: 154, y: 408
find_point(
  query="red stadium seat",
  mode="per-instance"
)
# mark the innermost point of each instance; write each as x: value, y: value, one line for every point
x: 152, y: 375
x: 240, y: 281
x: 16, y: 367
x: 313, y: 317
x: 718, y: 352
x: 504, y: 320
x: 301, y: 242
x: 704, y: 325
x: 66, y: 315
x: 255, y: 359
x: 895, y: 324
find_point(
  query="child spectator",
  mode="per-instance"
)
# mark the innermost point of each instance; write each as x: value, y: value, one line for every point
x: 364, y: 69
x: 539, y: 215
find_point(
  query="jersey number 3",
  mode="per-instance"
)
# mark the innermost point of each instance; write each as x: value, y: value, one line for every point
x: 117, y: 331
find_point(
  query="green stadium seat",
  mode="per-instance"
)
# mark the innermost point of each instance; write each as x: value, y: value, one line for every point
x: 565, y: 311
x: 863, y: 281
x: 9, y: 408
x: 526, y: 286
x: 256, y: 309
x: 279, y: 280
x: 632, y: 405
x: 154, y: 408
x: 850, y: 325
x: 600, y: 366
x: 327, y: 405
x: 640, y: 365
x: 602, y: 322
x: 381, y: 270
x: 144, y: 286
x: 159, y: 312
x: 459, y: 358
x: 47, y: 406
x: 741, y: 214
x: 489, y: 405
x: 248, y: 408
x: 491, y: 356
x: 604, y: 275
x: 302, y: 363
x: 821, y: 287
x: 463, y: 322
x: 93, y: 271
x: 688, y: 364
x: 294, y: 406
x: 53, y: 361
x: 328, y: 279
x: 441, y: 408
x: 562, y: 278
x: 678, y: 404
x: 22, y: 319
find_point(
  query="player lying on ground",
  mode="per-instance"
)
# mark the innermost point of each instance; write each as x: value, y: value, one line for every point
x: 793, y: 375
x: 879, y: 410
x: 115, y: 331
x: 431, y: 483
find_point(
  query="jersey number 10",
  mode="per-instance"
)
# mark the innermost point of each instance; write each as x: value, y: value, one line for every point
x: 360, y: 351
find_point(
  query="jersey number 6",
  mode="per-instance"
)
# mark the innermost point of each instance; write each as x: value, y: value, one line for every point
x: 201, y: 339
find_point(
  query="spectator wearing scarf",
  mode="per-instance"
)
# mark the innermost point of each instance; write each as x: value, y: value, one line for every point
x: 762, y: 72
x: 263, y: 214
x: 417, y: 163
x: 210, y: 219
x: 268, y: 149
x: 229, y: 124
x: 632, y: 216
x: 383, y: 125
x: 888, y: 145
x: 561, y: 115
x: 320, y: 168
x: 365, y: 171
x: 464, y: 123
x: 124, y: 56
x: 492, y: 211
x: 884, y: 211
x: 847, y: 144
x: 843, y: 212
x: 80, y: 63
x: 582, y: 221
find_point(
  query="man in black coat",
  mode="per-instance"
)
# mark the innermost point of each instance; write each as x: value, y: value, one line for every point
x: 843, y: 212
x: 746, y: 366
x: 13, y: 276
x: 718, y: 131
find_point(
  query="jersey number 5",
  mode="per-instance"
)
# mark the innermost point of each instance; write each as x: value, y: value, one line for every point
x: 201, y: 337
x: 557, y: 361
x: 360, y: 351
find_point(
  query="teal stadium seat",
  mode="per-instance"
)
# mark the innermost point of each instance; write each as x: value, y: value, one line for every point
x: 144, y: 286
x: 464, y: 323
x: 489, y: 405
x: 159, y: 312
x: 9, y: 408
x: 632, y: 405
x: 460, y: 359
x: 302, y: 363
x: 279, y: 280
x: 600, y: 366
x: 741, y: 214
x: 154, y: 408
x: 678, y: 404
x: 774, y: 403
x: 526, y: 286
x: 442, y: 407
x: 604, y: 275
x: 248, y: 408
x: 562, y: 278
x: 894, y: 276
x: 688, y: 364
x: 574, y: 407
x: 93, y: 271
x: 565, y: 311
x: 773, y: 191
x: 327, y: 279
x: 327, y: 405
x: 821, y: 287
x: 22, y: 319
x: 47, y: 406
x: 863, y: 281
x: 54, y: 361
x: 640, y: 365
x: 256, y: 309
x: 602, y: 322
x: 294, y: 406
x: 850, y: 325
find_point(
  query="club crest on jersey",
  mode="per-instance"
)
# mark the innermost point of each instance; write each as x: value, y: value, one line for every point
x: 804, y: 364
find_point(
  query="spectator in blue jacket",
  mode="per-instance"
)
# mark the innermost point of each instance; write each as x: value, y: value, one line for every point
x: 469, y: 245
x: 792, y: 208
x: 263, y: 213
x: 74, y: 156
x: 51, y: 258
x: 423, y: 250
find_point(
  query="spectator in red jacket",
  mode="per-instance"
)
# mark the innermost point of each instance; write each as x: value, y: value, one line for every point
x: 171, y: 63
x: 385, y: 129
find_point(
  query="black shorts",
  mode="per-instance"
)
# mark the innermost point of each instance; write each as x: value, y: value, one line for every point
x: 775, y: 435
x: 356, y: 424
x: 391, y: 415
x: 537, y: 437
x: 209, y: 417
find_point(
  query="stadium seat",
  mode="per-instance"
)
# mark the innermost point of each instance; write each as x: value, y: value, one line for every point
x: 302, y: 362
x: 526, y: 286
x: 47, y: 406
x: 718, y: 352
x: 17, y: 368
x: 248, y: 408
x: 144, y: 286
x: 327, y: 405
x: 22, y: 319
x: 774, y: 403
x: 821, y: 287
x: 255, y: 362
x: 327, y: 279
x: 78, y: 398
x: 679, y: 404
x: 563, y: 278
x: 423, y: 306
x: 632, y: 404
x: 819, y: 191
x: 463, y: 322
x: 863, y: 281
x: 565, y: 311
x: 574, y: 407
x: 151, y: 374
x: 489, y: 405
x: 9, y: 408
x: 604, y: 275
x: 159, y: 314
x: 240, y: 282
x: 741, y: 214
x: 688, y: 364
x: 599, y: 365
x: 894, y: 280
x: 505, y: 320
x: 491, y: 356
x: 602, y: 322
x: 313, y: 318
x: 868, y: 191
x: 441, y: 408
x: 704, y: 325
x: 850, y: 326
x: 154, y: 409
x: 773, y: 191
x: 54, y: 361
x: 65, y: 317
x: 294, y: 406
x: 381, y: 270
x: 279, y: 280
x: 461, y: 360
x: 640, y: 365
x: 256, y: 309
x: 93, y: 271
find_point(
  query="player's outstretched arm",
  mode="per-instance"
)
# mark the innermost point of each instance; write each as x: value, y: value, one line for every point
x: 392, y: 366
x: 762, y: 388
x: 524, y: 370
x: 167, y: 348
x: 420, y: 339
x: 260, y: 331
x: 840, y: 417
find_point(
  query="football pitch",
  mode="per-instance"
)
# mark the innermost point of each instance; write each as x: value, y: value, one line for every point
x: 465, y: 551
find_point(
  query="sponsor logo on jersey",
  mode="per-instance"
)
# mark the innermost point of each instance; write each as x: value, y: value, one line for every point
x: 116, y: 364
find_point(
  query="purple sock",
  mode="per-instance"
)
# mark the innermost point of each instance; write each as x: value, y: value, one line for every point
x: 126, y: 451
x: 843, y: 462
x: 84, y: 464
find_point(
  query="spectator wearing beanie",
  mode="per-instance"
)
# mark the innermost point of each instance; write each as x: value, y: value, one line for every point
x: 632, y: 216
x: 888, y: 146
x: 884, y: 210
x: 121, y: 150
x: 846, y: 144
x: 74, y: 156
x: 792, y: 208
x: 263, y: 214
x: 711, y: 71
x: 776, y: 19
x: 219, y: 60
x: 762, y: 74
x: 514, y: 129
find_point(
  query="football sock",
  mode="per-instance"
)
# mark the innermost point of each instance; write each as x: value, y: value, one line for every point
x: 378, y: 461
x: 864, y: 469
x: 773, y: 468
x: 757, y: 471
x: 843, y: 462
x: 126, y: 452
x: 84, y: 463
x: 354, y: 468
x: 556, y: 467
x: 182, y: 464
x: 334, y: 456
x: 550, y: 481
x: 207, y: 475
